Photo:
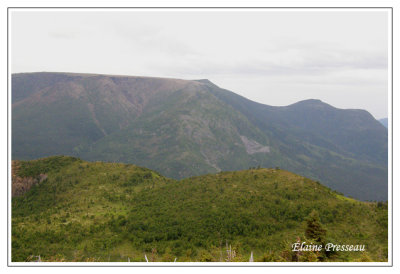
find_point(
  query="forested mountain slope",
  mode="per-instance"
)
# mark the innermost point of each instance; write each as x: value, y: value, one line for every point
x: 184, y: 128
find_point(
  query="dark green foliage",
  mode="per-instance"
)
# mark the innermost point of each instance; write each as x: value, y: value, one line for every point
x: 101, y: 210
x: 314, y: 229
x: 36, y: 167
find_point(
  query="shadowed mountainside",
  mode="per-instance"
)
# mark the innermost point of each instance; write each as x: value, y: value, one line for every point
x: 182, y: 128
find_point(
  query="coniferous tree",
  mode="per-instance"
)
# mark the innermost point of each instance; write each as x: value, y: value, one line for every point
x: 314, y: 229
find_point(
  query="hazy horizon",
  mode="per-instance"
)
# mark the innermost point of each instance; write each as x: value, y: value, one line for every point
x: 148, y: 76
x: 272, y: 57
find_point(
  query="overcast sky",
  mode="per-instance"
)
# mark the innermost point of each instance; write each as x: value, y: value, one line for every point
x: 275, y: 57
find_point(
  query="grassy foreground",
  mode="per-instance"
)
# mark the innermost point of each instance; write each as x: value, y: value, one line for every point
x: 86, y: 211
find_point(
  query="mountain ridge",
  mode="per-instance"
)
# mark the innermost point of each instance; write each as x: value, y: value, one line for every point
x: 183, y: 128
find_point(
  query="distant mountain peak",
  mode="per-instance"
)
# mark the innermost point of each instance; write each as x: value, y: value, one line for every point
x: 384, y: 122
x: 205, y: 81
x: 310, y: 103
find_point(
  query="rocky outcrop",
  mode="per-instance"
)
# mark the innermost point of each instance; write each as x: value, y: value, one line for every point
x: 20, y: 185
x: 253, y: 146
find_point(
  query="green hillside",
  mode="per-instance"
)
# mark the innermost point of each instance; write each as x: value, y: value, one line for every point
x: 99, y: 211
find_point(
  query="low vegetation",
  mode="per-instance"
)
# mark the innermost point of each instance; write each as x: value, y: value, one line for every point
x: 96, y: 211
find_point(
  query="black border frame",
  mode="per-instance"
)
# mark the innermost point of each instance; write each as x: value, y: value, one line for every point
x: 167, y: 8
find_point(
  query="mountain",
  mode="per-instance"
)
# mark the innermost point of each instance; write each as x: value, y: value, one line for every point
x: 183, y: 128
x: 384, y: 121
x: 95, y: 211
